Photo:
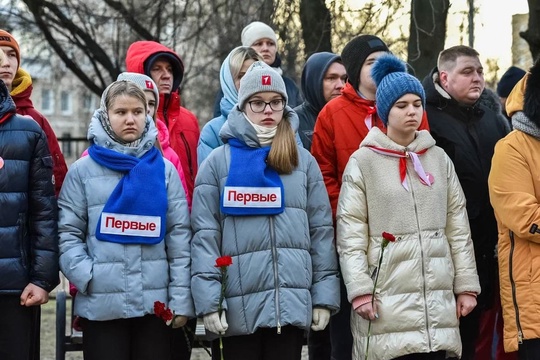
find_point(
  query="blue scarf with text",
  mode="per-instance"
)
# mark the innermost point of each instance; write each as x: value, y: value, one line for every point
x: 252, y: 187
x: 136, y: 210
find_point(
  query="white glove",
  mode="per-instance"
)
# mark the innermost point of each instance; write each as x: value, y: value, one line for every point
x: 320, y: 318
x: 213, y: 323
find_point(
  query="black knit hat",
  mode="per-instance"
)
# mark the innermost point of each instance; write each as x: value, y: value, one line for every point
x: 509, y: 80
x: 356, y: 52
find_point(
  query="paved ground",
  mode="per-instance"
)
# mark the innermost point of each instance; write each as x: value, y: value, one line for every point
x: 48, y: 333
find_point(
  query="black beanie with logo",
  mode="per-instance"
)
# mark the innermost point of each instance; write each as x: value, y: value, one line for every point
x: 356, y: 52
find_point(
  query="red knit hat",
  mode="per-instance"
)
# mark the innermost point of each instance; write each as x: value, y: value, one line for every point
x: 6, y: 39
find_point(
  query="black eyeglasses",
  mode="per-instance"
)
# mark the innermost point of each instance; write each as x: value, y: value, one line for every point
x: 258, y: 106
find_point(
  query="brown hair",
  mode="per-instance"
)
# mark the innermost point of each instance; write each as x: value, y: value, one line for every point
x: 448, y: 57
x: 283, y: 156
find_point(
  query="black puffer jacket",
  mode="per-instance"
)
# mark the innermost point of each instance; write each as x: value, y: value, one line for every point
x: 28, y: 210
x: 468, y: 135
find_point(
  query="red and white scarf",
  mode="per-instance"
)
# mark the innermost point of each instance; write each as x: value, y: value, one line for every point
x: 403, y: 155
x: 369, y: 117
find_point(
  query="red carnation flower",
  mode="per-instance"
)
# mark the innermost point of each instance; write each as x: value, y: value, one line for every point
x: 388, y: 237
x: 223, y: 261
x: 162, y: 312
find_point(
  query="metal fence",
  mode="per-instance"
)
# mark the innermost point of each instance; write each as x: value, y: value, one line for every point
x: 72, y: 147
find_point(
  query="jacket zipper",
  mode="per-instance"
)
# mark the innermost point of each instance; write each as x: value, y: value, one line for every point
x: 274, y: 263
x: 188, y: 152
x: 514, y: 299
x: 421, y: 253
x: 166, y: 101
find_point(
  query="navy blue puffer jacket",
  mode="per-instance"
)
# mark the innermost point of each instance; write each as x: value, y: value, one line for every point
x: 28, y: 210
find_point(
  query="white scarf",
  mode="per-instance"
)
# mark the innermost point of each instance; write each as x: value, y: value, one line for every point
x: 265, y: 134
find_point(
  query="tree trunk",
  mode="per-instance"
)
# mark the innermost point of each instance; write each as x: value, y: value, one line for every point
x: 427, y: 34
x: 532, y: 34
x: 316, y: 26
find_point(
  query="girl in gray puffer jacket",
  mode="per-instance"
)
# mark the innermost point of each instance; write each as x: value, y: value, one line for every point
x: 125, y: 233
x: 261, y: 200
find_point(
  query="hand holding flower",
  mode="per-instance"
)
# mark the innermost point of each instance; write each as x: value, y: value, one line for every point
x: 215, y: 323
x: 179, y: 321
x: 368, y: 311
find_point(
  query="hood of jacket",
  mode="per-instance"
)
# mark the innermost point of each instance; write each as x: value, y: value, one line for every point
x: 230, y: 93
x: 99, y: 136
x: 313, y: 78
x: 22, y: 89
x: 375, y: 137
x: 514, y: 101
x: 7, y: 105
x: 237, y: 127
x: 140, y: 51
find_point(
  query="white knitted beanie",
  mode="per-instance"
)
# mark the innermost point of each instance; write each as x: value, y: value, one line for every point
x: 259, y: 78
x: 255, y: 31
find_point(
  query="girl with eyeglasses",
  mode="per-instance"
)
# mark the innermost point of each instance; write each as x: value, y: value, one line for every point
x: 261, y: 199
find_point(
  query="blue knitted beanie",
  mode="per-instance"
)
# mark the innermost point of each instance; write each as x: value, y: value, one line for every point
x: 390, y: 75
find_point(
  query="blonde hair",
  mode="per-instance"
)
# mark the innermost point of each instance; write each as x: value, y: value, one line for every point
x: 283, y: 156
x: 238, y: 56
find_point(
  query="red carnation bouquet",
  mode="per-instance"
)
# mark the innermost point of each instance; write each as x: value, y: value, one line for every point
x: 163, y: 312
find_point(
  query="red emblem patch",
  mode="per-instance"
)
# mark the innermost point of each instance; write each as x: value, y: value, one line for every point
x: 266, y: 80
x: 149, y: 84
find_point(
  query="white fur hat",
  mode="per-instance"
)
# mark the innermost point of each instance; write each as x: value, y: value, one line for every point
x: 255, y: 31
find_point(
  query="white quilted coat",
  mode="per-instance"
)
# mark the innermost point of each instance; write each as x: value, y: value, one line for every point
x: 431, y: 261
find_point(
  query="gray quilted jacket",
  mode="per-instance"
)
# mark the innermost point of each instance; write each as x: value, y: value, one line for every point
x: 116, y: 280
x: 283, y: 265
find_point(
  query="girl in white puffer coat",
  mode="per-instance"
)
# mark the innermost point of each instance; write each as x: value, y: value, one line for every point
x: 401, y: 183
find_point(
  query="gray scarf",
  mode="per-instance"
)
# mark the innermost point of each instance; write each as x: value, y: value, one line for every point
x: 522, y: 123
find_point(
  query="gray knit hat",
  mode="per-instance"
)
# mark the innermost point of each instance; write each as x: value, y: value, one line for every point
x: 260, y: 77
x: 144, y: 82
x: 356, y: 52
x: 393, y: 81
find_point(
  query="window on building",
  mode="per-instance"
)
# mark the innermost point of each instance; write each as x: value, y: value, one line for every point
x: 66, y: 144
x: 88, y: 102
x: 65, y: 103
x: 47, y: 101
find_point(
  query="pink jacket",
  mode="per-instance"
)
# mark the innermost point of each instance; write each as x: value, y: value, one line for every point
x: 171, y: 155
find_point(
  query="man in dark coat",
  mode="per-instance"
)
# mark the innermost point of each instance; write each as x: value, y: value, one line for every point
x: 323, y: 78
x: 467, y: 130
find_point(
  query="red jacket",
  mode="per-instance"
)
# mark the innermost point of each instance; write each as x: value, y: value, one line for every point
x: 21, y: 92
x: 339, y: 130
x: 182, y: 124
